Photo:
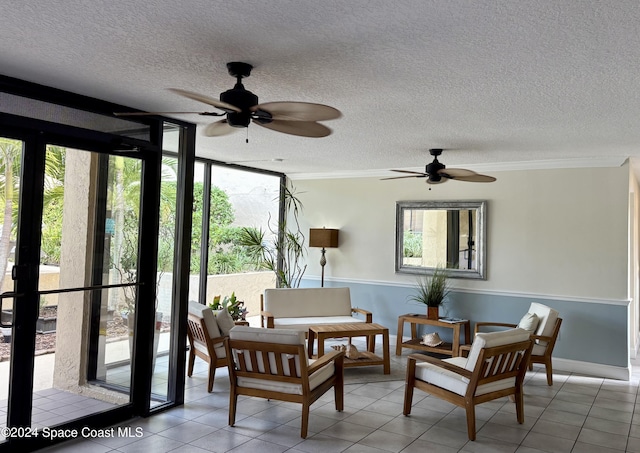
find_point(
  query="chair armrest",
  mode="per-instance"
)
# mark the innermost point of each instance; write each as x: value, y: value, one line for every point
x: 322, y: 361
x: 541, y: 337
x: 493, y: 324
x: 269, y: 317
x: 217, y: 340
x: 368, y: 314
x: 441, y: 364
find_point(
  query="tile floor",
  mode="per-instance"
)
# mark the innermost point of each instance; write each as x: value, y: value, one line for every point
x: 577, y: 414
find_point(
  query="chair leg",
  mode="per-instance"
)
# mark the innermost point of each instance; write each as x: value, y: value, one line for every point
x: 233, y: 401
x: 192, y: 360
x: 305, y: 420
x: 519, y: 400
x: 408, y: 386
x: 338, y: 393
x: 471, y: 420
x: 408, y: 399
x: 212, y: 375
x: 547, y: 365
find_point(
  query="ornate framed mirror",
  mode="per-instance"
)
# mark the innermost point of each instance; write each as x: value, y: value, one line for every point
x: 449, y: 234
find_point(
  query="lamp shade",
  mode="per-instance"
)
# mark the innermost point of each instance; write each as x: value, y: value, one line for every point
x: 323, y: 237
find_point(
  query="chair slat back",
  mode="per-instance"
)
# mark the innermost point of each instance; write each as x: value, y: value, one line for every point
x: 196, y: 329
x: 271, y: 361
x: 502, y: 362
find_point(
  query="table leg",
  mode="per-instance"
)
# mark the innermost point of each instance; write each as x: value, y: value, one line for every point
x: 399, y: 335
x: 310, y: 342
x: 385, y: 351
x: 320, y: 344
x: 455, y: 347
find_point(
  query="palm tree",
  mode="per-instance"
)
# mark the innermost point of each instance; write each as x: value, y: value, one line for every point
x: 10, y: 156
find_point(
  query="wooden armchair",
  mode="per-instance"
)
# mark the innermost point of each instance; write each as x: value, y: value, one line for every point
x: 273, y: 363
x: 495, y: 368
x: 205, y: 340
x: 544, y: 333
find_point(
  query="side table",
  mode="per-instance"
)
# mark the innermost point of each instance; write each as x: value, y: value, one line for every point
x: 452, y: 349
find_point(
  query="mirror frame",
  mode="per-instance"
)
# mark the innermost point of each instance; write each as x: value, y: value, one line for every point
x: 481, y: 236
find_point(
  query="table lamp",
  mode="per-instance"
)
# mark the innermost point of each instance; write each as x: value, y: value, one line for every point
x: 325, y: 238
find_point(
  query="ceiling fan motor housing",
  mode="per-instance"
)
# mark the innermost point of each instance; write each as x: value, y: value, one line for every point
x: 433, y: 168
x: 244, y: 100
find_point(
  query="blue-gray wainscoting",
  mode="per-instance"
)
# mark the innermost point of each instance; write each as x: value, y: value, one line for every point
x: 593, y: 337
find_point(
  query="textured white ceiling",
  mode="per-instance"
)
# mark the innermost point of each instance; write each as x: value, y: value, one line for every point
x: 495, y: 82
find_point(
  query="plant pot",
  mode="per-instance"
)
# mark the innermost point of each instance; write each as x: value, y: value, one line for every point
x: 46, y: 325
x: 433, y: 313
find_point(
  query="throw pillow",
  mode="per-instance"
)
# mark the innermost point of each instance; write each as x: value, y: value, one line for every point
x: 225, y: 321
x: 529, y: 322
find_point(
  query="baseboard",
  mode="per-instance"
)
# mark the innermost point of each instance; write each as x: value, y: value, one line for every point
x: 592, y: 369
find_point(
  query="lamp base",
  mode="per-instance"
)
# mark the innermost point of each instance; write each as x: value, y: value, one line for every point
x: 323, y: 262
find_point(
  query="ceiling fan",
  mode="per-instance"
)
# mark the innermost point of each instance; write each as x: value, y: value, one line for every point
x: 437, y: 173
x: 240, y: 107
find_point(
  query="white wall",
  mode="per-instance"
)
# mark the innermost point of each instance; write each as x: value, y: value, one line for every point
x: 557, y: 232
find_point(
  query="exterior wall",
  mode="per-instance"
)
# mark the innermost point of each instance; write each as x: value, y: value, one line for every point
x: 560, y: 237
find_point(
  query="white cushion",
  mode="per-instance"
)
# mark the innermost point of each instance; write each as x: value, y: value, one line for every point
x: 205, y: 313
x: 458, y: 384
x: 492, y: 339
x: 307, y: 302
x: 454, y: 382
x: 547, y: 316
x: 303, y: 324
x: 224, y: 320
x: 315, y: 380
x: 529, y: 322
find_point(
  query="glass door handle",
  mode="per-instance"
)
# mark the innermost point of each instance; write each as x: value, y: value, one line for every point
x: 6, y: 295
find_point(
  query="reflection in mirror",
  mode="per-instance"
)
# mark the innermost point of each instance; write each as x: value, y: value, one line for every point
x: 432, y: 234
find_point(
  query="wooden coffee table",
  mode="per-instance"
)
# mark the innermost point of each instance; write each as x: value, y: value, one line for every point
x: 350, y: 330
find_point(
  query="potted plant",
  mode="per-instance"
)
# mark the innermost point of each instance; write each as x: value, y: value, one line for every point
x: 234, y: 306
x: 432, y: 291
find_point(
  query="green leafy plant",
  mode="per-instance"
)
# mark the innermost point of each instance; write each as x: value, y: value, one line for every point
x: 234, y: 306
x: 432, y: 289
x: 284, y: 254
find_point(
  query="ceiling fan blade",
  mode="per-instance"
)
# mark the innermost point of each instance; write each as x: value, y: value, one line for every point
x: 476, y: 178
x: 154, y: 113
x: 460, y: 174
x: 207, y: 100
x: 298, y: 111
x: 411, y: 172
x: 300, y: 128
x: 218, y: 129
x: 402, y: 177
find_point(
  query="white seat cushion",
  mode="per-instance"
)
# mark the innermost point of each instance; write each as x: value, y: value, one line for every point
x: 454, y: 382
x: 458, y: 384
x: 302, y: 324
x: 315, y: 380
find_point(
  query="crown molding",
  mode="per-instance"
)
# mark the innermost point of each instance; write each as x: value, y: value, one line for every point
x: 595, y: 162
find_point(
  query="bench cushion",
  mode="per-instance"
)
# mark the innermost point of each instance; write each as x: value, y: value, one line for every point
x: 307, y: 302
x: 303, y: 324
